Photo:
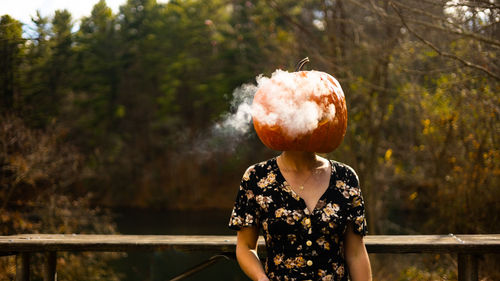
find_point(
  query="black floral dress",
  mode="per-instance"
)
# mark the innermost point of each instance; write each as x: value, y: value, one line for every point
x: 300, y: 245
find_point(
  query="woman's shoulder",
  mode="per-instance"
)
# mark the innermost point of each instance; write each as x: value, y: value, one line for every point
x: 264, y: 166
x: 261, y: 169
x: 345, y: 173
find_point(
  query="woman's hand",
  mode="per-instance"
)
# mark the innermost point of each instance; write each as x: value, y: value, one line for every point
x: 246, y: 253
x: 357, y: 257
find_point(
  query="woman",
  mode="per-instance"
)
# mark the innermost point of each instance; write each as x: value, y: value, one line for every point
x: 311, y: 213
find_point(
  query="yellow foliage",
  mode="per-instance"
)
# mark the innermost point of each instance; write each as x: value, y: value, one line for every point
x: 388, y: 154
x: 413, y: 196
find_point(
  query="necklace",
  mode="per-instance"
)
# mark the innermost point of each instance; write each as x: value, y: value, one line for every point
x: 301, y: 186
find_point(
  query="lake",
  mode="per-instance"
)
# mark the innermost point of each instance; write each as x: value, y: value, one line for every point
x: 153, y: 266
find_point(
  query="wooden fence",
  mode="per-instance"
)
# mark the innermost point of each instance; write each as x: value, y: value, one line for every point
x: 467, y: 248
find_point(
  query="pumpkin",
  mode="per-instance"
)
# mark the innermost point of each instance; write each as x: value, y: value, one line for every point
x: 300, y: 111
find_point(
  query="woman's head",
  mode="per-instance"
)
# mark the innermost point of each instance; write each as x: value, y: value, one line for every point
x: 304, y: 111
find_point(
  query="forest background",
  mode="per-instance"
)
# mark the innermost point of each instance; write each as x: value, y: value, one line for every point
x: 130, y: 109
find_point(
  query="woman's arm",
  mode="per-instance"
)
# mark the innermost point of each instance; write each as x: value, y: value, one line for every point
x: 246, y: 253
x: 357, y: 257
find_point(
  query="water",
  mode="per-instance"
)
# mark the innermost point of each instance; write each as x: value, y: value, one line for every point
x: 153, y: 266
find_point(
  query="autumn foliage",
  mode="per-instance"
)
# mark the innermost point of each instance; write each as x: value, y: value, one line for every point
x: 122, y: 107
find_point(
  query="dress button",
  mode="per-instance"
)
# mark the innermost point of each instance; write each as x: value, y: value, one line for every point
x: 309, y: 243
x: 309, y: 262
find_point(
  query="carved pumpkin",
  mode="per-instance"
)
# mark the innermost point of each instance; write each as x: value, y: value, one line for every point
x: 300, y: 111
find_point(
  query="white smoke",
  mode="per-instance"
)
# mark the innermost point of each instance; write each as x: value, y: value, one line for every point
x: 239, y: 120
x: 288, y: 104
x: 228, y: 132
x: 294, y: 103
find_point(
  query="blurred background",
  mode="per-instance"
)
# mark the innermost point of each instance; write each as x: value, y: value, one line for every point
x: 116, y: 121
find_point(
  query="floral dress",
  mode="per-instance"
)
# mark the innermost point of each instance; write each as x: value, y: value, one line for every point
x: 300, y: 245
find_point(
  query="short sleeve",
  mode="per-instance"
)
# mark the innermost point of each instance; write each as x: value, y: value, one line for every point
x: 356, y: 214
x: 246, y: 210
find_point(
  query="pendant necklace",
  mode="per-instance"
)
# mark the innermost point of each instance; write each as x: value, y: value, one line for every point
x: 301, y: 187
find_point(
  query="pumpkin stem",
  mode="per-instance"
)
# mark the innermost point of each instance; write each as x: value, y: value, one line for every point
x: 301, y: 64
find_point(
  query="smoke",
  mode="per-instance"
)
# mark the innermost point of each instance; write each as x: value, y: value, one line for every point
x: 238, y: 122
x: 287, y: 103
x: 233, y: 127
x: 296, y: 103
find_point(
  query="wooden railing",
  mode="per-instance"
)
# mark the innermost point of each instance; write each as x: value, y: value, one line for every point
x: 466, y: 247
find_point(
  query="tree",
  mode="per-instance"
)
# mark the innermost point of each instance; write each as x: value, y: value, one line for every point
x: 97, y: 55
x: 12, y: 45
x: 35, y: 95
x: 61, y: 64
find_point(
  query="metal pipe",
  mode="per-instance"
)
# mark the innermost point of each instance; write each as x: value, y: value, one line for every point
x: 203, y: 265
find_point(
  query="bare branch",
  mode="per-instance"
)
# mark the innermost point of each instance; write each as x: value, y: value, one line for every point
x: 379, y: 11
x: 458, y: 31
x: 437, y: 50
x: 474, y: 4
x: 470, y: 4
x: 428, y: 14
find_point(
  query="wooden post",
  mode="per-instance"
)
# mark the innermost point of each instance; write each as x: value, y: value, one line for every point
x: 49, y: 269
x: 23, y: 266
x: 467, y: 267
